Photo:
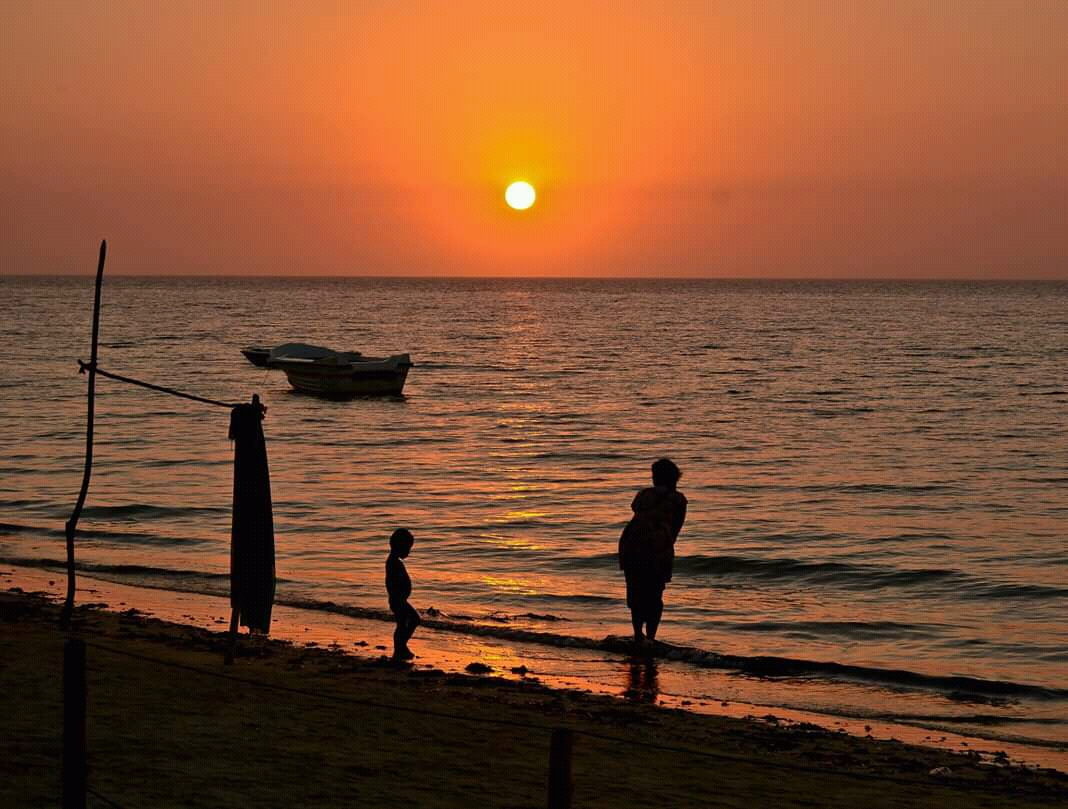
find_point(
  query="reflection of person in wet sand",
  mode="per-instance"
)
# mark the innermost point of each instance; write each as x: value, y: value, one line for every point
x: 642, y: 685
x: 647, y: 548
x: 399, y: 588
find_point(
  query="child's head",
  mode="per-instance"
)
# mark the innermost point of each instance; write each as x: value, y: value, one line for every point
x: 401, y: 542
x: 665, y: 473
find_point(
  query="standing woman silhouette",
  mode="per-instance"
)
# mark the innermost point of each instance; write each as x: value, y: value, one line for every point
x: 647, y: 548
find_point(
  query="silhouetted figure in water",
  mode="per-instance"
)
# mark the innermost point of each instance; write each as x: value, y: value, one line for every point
x: 399, y: 588
x: 647, y: 548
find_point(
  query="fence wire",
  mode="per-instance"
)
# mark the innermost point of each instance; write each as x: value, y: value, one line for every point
x: 103, y: 799
x: 323, y: 697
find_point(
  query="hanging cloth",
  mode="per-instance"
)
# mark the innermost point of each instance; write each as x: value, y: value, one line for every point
x: 252, y: 534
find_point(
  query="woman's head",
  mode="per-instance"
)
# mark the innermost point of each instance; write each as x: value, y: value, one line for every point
x: 665, y: 473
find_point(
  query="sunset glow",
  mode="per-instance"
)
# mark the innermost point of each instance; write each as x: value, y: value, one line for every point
x: 682, y: 138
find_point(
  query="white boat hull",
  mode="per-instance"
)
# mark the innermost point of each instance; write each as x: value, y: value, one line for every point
x: 367, y: 377
x: 325, y: 372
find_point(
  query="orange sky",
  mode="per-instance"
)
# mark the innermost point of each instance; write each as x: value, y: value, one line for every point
x: 887, y: 138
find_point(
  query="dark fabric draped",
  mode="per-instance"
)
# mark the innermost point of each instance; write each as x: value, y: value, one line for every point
x: 252, y: 535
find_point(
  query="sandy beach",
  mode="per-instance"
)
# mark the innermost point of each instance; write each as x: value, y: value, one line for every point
x: 289, y: 725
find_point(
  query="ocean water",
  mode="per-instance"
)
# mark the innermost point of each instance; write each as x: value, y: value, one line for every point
x: 876, y: 472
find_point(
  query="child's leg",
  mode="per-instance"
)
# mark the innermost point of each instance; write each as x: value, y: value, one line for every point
x: 400, y: 636
x: 411, y: 621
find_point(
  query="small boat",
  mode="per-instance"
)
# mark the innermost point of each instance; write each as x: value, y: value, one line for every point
x: 325, y: 372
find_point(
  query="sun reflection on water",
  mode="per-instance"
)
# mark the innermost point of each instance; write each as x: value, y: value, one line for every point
x: 514, y: 543
x: 514, y: 585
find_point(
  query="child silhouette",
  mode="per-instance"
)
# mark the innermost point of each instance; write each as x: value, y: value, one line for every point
x: 399, y: 589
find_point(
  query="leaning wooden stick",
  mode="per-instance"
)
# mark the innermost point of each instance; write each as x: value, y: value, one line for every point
x: 72, y: 523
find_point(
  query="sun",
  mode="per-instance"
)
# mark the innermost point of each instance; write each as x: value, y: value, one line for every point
x: 520, y: 195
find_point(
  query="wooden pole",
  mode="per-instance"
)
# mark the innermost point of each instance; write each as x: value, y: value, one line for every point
x: 72, y: 523
x: 231, y: 643
x: 560, y: 786
x: 74, y: 737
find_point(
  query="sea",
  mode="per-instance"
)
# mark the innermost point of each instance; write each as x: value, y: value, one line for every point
x: 876, y: 472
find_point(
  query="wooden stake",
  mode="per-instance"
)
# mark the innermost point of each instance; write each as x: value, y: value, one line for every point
x: 560, y: 747
x: 72, y: 523
x: 231, y: 646
x: 74, y: 737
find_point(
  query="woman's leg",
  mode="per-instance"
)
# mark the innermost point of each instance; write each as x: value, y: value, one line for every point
x: 634, y: 601
x: 636, y: 621
x: 656, y: 610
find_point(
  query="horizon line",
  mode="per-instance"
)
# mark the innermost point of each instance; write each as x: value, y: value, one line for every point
x: 731, y: 278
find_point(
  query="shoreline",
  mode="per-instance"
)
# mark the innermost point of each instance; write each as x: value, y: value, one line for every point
x: 664, y: 683
x: 170, y: 725
x: 975, y: 689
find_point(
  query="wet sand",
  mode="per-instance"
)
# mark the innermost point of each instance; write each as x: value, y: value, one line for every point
x: 169, y: 725
x: 662, y: 682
